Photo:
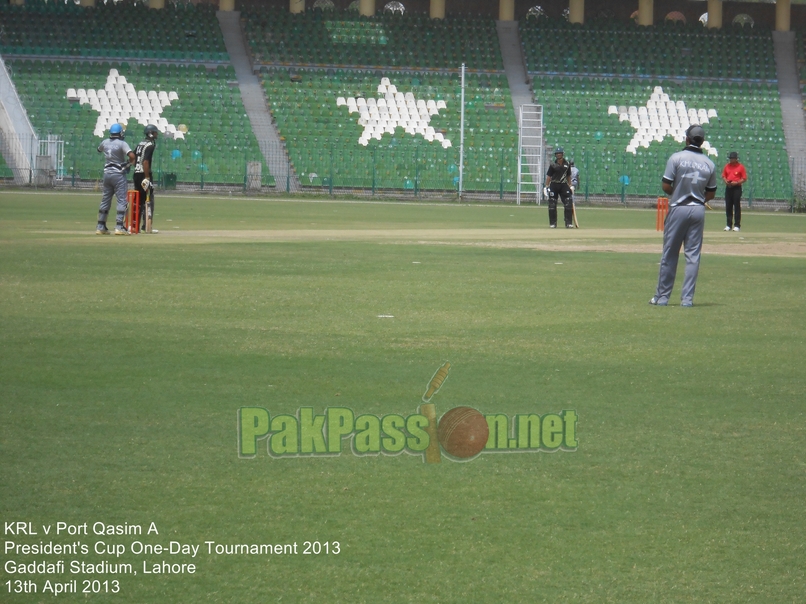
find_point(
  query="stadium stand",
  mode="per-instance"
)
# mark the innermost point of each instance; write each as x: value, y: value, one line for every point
x: 613, y: 49
x: 342, y: 38
x: 5, y: 170
x: 598, y: 83
x: 613, y: 94
x: 179, y: 32
x: 322, y: 138
x: 324, y: 117
x: 61, y: 57
x: 594, y: 120
x: 218, y: 142
x: 800, y: 48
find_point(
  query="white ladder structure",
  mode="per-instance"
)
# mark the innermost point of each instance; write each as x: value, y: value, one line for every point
x: 530, y: 152
x: 51, y: 156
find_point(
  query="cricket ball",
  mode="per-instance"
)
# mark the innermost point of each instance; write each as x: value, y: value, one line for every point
x: 463, y: 432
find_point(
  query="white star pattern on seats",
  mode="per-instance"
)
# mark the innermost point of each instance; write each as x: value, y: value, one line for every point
x: 118, y: 101
x: 662, y: 117
x: 393, y: 110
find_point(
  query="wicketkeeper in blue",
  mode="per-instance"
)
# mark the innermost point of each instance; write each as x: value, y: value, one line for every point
x: 690, y: 182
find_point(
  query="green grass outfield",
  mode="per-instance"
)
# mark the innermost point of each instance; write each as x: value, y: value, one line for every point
x: 124, y: 362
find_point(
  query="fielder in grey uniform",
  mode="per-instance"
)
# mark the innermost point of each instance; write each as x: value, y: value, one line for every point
x: 574, y: 177
x: 574, y: 180
x: 118, y: 158
x: 690, y: 182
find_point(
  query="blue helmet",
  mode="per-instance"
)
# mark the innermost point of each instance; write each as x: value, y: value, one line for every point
x: 116, y: 131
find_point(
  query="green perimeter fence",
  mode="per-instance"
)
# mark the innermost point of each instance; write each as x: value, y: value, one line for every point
x: 381, y: 168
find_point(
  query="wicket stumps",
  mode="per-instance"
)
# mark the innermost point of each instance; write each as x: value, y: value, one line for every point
x: 132, y: 222
x: 663, y: 209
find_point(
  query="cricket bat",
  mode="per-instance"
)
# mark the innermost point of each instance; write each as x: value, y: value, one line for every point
x: 148, y: 211
x: 574, y: 210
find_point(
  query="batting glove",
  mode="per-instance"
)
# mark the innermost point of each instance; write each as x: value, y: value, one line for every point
x: 546, y: 192
x: 146, y: 184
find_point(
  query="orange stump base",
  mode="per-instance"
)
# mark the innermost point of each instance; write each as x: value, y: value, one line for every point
x: 663, y: 210
x: 133, y: 214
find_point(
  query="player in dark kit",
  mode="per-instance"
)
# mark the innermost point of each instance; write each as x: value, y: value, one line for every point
x: 143, y: 176
x: 558, y: 178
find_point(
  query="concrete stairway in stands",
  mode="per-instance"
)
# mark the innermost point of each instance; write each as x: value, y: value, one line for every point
x: 254, y: 102
x: 791, y: 107
x: 514, y: 64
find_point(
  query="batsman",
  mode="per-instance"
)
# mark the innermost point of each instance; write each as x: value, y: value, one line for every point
x: 143, y: 176
x: 557, y: 185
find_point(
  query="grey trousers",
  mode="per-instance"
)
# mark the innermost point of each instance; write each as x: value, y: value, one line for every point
x: 683, y: 228
x: 114, y: 184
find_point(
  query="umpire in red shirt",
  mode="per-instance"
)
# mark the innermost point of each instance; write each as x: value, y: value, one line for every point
x: 734, y: 175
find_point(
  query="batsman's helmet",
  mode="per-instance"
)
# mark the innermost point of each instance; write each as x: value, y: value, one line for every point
x: 558, y: 150
x: 696, y: 135
x: 151, y: 131
x: 116, y: 131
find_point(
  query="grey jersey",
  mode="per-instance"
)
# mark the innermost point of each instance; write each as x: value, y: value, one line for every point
x: 116, y: 153
x: 691, y: 174
x: 574, y: 177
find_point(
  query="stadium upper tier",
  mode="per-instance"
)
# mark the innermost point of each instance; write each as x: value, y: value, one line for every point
x: 124, y: 31
x: 342, y: 38
x: 214, y: 140
x: 621, y: 49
